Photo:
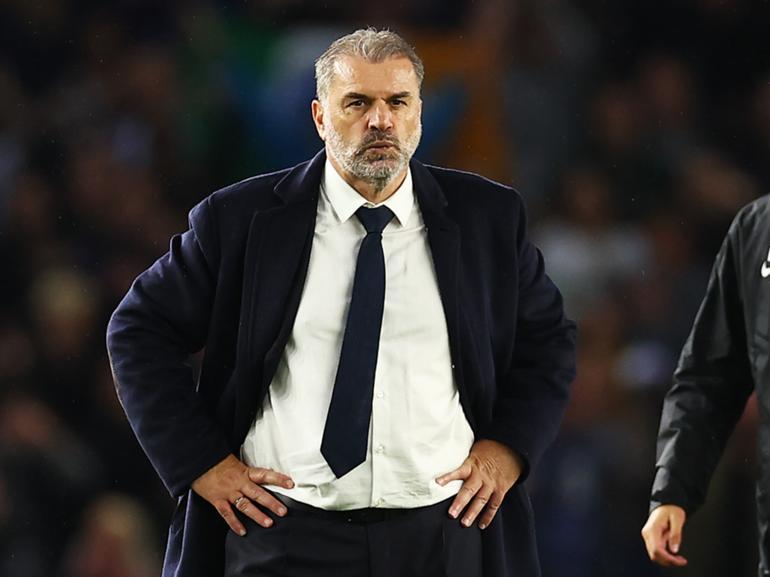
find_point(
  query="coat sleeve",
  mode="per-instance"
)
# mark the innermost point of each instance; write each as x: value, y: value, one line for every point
x: 711, y: 385
x: 161, y: 321
x: 533, y: 392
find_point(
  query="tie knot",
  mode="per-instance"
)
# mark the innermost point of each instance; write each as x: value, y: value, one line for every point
x: 374, y: 219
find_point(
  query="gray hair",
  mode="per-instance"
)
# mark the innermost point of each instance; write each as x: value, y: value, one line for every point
x: 370, y: 44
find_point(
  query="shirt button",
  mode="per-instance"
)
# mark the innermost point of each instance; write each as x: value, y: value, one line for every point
x: 380, y: 449
x: 379, y: 502
x: 380, y: 394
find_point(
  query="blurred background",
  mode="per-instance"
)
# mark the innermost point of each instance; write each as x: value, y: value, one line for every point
x: 634, y: 130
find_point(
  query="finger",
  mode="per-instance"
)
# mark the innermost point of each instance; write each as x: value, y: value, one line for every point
x: 675, y: 523
x: 495, y: 502
x: 226, y: 512
x: 468, y: 490
x: 477, y: 505
x: 655, y: 534
x: 649, y: 543
x: 662, y: 557
x: 269, y: 477
x: 652, y: 533
x: 245, y: 506
x: 462, y: 472
x: 258, y: 495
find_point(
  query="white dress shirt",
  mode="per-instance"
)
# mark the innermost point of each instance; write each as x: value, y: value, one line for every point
x: 418, y: 429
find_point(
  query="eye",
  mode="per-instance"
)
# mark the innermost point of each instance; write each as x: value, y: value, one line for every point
x: 355, y: 103
x: 398, y: 102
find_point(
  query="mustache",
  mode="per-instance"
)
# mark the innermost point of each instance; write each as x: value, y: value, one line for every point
x: 378, y: 136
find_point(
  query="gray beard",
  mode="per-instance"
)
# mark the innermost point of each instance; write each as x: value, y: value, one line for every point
x: 379, y: 171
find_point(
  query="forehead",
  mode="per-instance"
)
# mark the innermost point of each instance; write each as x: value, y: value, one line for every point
x: 355, y: 74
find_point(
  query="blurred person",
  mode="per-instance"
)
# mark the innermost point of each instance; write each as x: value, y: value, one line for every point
x: 671, y: 103
x: 619, y: 140
x: 46, y: 475
x: 378, y: 432
x: 115, y: 539
x: 659, y: 301
x: 590, y: 252
x: 724, y: 360
x: 28, y: 229
x: 590, y: 486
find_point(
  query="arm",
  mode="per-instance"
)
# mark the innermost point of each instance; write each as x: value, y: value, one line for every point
x: 162, y: 320
x: 711, y: 385
x: 532, y: 394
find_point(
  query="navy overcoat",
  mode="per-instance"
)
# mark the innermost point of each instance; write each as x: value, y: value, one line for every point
x: 231, y: 285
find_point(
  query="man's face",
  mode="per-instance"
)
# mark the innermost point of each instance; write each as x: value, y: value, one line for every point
x: 370, y: 118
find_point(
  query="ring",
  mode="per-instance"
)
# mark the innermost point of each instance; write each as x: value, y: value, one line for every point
x: 238, y: 500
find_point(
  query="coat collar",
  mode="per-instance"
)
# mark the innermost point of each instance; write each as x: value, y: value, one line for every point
x: 303, y: 181
x: 278, y: 256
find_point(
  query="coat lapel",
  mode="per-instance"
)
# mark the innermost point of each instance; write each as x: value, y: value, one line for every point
x: 444, y: 241
x: 277, y: 257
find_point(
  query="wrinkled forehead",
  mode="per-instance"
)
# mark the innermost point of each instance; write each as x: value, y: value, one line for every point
x: 356, y: 74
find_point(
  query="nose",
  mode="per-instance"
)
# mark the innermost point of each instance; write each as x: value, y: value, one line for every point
x: 380, y: 116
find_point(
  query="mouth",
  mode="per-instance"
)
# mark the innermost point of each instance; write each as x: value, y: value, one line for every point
x: 380, y: 145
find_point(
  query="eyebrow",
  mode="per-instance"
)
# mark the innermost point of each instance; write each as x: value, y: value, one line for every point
x: 359, y: 96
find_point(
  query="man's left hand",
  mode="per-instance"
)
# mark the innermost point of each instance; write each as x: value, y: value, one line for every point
x: 488, y: 473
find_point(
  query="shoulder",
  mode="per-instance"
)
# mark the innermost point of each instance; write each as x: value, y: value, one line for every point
x: 755, y: 215
x: 459, y: 183
x: 238, y: 201
x: 474, y: 200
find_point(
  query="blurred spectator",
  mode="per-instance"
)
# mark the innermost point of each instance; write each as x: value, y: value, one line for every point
x: 46, y: 476
x: 115, y: 539
x: 588, y: 252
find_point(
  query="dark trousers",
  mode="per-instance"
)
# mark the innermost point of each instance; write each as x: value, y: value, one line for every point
x: 307, y: 542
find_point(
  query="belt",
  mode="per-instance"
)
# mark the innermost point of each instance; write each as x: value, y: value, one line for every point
x: 357, y: 516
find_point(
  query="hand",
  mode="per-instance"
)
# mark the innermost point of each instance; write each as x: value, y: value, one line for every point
x: 663, y: 535
x: 488, y: 473
x: 231, y: 482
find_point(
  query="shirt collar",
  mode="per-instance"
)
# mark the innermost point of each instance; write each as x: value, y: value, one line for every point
x: 346, y: 201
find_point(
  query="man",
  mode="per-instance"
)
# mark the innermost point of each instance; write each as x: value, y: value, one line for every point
x: 383, y: 353
x: 723, y: 361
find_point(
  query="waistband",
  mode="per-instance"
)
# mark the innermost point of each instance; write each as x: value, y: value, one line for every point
x: 356, y: 516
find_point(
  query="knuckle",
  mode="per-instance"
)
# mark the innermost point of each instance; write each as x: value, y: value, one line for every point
x: 247, y: 490
x: 259, y: 474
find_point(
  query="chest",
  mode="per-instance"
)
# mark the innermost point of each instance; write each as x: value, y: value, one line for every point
x: 412, y: 304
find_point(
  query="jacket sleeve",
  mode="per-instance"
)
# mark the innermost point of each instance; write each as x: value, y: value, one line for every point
x: 711, y: 384
x: 533, y: 393
x: 162, y: 320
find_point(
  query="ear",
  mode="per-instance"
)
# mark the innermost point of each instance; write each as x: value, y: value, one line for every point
x: 317, y: 111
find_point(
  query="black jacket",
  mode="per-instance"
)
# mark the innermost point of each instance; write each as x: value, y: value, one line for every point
x: 232, y: 284
x: 723, y: 361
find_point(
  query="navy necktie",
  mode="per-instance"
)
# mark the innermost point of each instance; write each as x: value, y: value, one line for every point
x: 346, y: 433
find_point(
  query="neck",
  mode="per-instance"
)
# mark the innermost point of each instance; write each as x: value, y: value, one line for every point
x: 372, y: 192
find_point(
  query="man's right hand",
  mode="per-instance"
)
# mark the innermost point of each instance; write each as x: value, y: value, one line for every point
x: 232, y: 482
x: 663, y: 535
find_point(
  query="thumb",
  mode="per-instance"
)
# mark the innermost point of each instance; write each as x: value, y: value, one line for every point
x: 462, y: 472
x: 675, y: 523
